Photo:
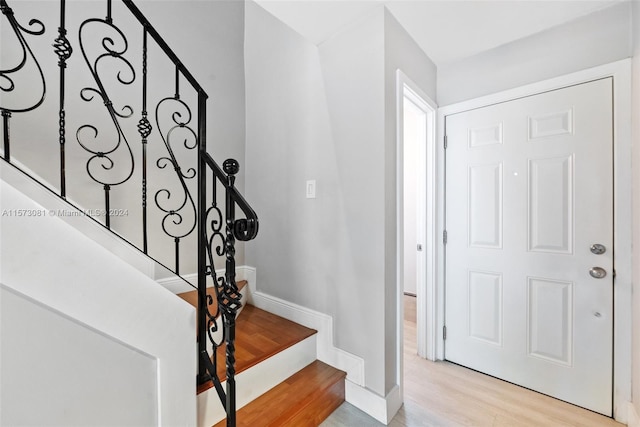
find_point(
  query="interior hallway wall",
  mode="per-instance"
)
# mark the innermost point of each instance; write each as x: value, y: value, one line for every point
x: 596, y: 39
x: 328, y: 113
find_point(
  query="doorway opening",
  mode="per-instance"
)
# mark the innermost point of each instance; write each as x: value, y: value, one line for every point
x: 415, y: 212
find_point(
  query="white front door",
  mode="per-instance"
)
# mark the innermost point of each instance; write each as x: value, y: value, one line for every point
x: 529, y: 192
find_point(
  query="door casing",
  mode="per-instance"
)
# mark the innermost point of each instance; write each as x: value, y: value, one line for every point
x: 621, y: 73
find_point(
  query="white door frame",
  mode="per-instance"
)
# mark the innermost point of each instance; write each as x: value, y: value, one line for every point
x: 425, y: 286
x: 622, y: 298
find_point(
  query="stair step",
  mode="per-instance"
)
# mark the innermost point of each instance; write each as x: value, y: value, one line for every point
x: 259, y: 335
x: 192, y: 296
x: 304, y: 399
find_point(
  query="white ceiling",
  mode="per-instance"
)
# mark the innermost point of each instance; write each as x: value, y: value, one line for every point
x: 447, y: 30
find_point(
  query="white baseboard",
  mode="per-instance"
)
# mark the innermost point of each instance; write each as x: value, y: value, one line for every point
x: 327, y: 352
x: 633, y: 419
x: 381, y: 408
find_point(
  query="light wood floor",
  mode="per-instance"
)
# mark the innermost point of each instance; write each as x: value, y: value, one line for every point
x: 445, y: 394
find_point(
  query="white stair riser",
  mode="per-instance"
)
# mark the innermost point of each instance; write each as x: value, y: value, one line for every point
x: 258, y: 379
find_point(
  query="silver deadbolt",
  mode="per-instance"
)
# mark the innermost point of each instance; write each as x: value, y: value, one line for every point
x: 419, y: 247
x: 597, y: 272
x: 598, y: 249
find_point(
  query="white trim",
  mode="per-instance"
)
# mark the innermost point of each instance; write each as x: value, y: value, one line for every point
x: 323, y: 323
x: 621, y: 73
x: 381, y: 408
x: 633, y: 417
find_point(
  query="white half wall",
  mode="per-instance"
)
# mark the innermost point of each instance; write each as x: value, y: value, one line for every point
x: 93, y: 379
x: 94, y: 297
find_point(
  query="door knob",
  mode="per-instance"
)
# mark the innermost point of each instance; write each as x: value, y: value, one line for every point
x: 597, y: 272
x: 598, y: 249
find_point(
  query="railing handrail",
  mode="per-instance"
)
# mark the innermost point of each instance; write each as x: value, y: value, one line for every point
x: 251, y: 218
x: 164, y: 46
x: 223, y: 229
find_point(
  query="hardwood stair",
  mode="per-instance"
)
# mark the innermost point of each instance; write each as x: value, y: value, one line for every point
x: 279, y: 382
x: 305, y: 399
x: 259, y: 335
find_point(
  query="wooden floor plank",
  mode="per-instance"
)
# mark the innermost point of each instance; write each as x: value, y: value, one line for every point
x: 303, y: 400
x: 446, y: 394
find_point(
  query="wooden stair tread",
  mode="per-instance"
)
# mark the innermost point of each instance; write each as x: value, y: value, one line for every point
x: 304, y: 399
x: 259, y: 335
x: 192, y: 296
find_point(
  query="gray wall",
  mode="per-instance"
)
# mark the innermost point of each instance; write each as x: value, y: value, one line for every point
x: 595, y: 39
x: 328, y: 113
x: 309, y: 119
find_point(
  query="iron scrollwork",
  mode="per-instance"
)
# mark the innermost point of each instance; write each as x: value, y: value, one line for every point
x: 110, y: 162
x: 114, y: 47
x: 7, y: 79
x: 173, y: 222
x: 7, y: 83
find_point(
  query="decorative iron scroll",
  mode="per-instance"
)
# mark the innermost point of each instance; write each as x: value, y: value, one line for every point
x: 7, y: 81
x: 173, y: 222
x: 114, y: 46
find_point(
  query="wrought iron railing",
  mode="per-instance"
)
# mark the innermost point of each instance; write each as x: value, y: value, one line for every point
x: 112, y: 166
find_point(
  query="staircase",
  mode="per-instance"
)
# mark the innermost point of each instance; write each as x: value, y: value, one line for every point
x: 247, y: 358
x: 280, y: 382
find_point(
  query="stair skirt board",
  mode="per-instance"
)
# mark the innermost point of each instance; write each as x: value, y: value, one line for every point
x: 258, y: 379
x: 58, y: 208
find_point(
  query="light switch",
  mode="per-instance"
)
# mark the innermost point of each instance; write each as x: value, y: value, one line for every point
x: 311, y: 189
